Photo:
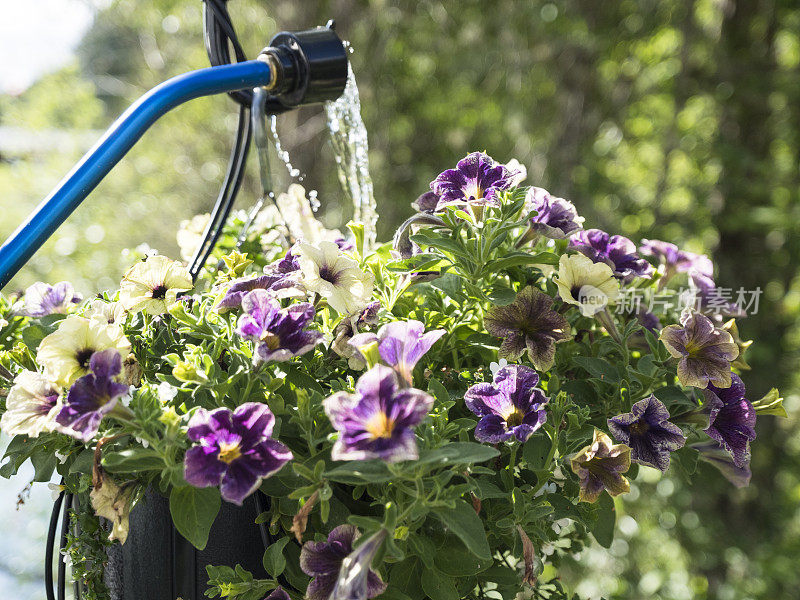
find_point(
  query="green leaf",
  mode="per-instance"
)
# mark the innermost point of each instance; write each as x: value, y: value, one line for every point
x: 356, y: 472
x: 193, y: 512
x: 468, y: 526
x: 603, y: 530
x: 673, y: 397
x: 274, y: 561
x: 424, y: 548
x: 438, y: 586
x: 133, y: 460
x: 535, y: 451
x: 419, y: 262
x: 453, y: 559
x: 597, y: 367
x: 405, y: 576
x: 458, y: 453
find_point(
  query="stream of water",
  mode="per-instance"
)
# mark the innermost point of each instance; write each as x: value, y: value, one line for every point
x: 351, y: 152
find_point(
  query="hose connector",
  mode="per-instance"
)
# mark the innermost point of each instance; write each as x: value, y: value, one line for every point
x: 311, y: 66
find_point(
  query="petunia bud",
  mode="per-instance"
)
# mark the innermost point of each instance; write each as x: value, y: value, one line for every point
x: 354, y: 576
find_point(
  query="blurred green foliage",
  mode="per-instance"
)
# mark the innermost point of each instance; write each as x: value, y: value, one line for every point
x: 669, y: 119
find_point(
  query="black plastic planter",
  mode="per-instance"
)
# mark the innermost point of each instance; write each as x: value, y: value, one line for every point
x: 157, y: 563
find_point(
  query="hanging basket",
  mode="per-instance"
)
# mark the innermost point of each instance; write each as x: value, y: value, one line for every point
x: 157, y: 563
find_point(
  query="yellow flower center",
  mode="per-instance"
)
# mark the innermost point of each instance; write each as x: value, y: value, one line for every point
x: 271, y: 340
x: 229, y: 452
x: 692, y: 348
x: 515, y: 418
x: 380, y: 426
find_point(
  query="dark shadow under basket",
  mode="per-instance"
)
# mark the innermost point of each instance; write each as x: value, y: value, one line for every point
x: 157, y: 563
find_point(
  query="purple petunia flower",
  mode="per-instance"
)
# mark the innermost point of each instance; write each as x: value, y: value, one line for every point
x: 93, y: 396
x: 510, y: 407
x: 280, y: 333
x: 475, y: 182
x: 378, y: 420
x: 239, y: 288
x: 705, y: 352
x: 234, y: 450
x: 715, y: 455
x: 426, y: 203
x: 676, y: 260
x: 647, y: 430
x: 617, y: 251
x: 731, y: 419
x: 555, y: 217
x: 323, y: 561
x: 401, y: 344
x: 42, y: 299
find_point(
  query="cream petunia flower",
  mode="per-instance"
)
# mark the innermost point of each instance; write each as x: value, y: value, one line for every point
x: 588, y: 285
x: 190, y: 235
x: 31, y: 406
x: 334, y: 276
x: 152, y: 285
x: 105, y: 312
x: 66, y: 352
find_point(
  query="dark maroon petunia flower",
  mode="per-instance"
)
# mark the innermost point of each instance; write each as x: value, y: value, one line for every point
x: 323, y: 561
x: 731, y: 419
x: 647, y: 430
x: 529, y: 323
x: 234, y: 450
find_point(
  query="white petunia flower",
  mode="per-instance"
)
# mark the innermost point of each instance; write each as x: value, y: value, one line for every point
x: 520, y: 172
x: 166, y: 392
x: 294, y: 211
x: 334, y: 276
x: 31, y: 406
x: 66, y: 352
x: 55, y: 490
x: 152, y: 285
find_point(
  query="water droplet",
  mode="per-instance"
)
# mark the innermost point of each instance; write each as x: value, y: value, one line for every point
x: 280, y: 151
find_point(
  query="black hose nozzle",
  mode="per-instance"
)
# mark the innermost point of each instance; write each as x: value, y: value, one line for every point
x: 311, y: 67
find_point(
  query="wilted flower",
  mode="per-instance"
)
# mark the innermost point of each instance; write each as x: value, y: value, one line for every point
x: 93, y: 396
x: 323, y: 562
x: 65, y: 353
x: 113, y: 503
x: 378, y: 420
x: 152, y: 285
x: 234, y: 450
x: 529, y: 323
x: 335, y: 277
x: 617, y: 251
x: 42, y: 299
x: 715, y: 455
x: 401, y: 344
x: 731, y: 419
x: 588, y: 285
x: 280, y: 333
x: 347, y: 328
x: 475, y: 182
x: 600, y: 466
x: 555, y: 218
x: 190, y: 235
x: 356, y: 580
x: 676, y: 260
x: 31, y: 406
x: 705, y: 352
x: 647, y: 430
x: 510, y: 407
